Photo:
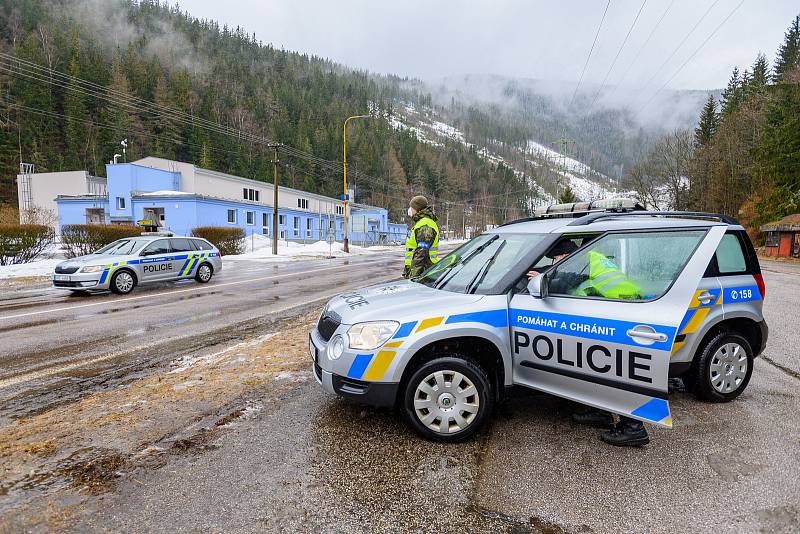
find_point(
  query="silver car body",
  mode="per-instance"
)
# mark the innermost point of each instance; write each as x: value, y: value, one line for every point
x: 169, y: 262
x: 612, y: 354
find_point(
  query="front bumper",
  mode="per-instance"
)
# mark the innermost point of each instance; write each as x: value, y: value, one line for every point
x: 78, y: 281
x: 371, y: 393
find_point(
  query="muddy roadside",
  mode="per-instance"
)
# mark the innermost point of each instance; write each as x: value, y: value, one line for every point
x: 52, y: 462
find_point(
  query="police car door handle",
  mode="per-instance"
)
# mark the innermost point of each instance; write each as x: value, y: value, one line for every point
x: 653, y: 336
x: 705, y: 298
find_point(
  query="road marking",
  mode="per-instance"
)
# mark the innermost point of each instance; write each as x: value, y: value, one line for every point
x: 49, y: 371
x: 176, y: 292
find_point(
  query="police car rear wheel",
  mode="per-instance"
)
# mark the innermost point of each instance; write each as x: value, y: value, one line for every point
x: 448, y: 398
x: 204, y: 273
x: 122, y: 282
x: 723, y: 369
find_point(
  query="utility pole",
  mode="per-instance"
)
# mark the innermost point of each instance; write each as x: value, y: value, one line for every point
x: 563, y: 143
x: 275, y: 202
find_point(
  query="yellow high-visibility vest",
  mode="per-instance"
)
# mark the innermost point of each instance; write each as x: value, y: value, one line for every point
x: 606, y: 280
x: 412, y: 245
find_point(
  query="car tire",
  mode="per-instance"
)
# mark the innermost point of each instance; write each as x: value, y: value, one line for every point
x: 464, y: 403
x: 722, y: 368
x: 204, y: 273
x: 122, y: 282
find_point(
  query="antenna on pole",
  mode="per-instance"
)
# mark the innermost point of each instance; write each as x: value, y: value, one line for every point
x: 124, y: 144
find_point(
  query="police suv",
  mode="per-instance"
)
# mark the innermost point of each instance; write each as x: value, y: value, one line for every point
x: 444, y: 347
x: 125, y: 263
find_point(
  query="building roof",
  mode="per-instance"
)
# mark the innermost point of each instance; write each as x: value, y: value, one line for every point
x: 189, y: 196
x: 790, y: 223
x: 172, y: 165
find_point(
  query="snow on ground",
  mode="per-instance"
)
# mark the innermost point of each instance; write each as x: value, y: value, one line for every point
x: 34, y: 268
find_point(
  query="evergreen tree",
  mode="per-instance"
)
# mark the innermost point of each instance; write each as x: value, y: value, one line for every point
x: 74, y: 113
x: 760, y: 77
x: 708, y: 124
x: 732, y: 94
x: 567, y: 196
x: 789, y: 52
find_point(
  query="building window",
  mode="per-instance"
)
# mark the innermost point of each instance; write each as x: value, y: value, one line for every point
x: 250, y: 194
x: 120, y: 203
x: 231, y: 216
x: 302, y: 203
x: 339, y: 210
x: 257, y: 196
x: 773, y: 239
x: 244, y: 193
x: 296, y: 226
x: 281, y: 219
x: 308, y: 227
x: 251, y: 218
x: 264, y: 220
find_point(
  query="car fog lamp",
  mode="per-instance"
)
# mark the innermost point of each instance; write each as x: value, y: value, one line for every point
x: 336, y: 348
x: 92, y: 269
x: 369, y: 336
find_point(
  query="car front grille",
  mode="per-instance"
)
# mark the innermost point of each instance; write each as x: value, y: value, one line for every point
x: 328, y: 324
x: 62, y: 283
x: 66, y: 270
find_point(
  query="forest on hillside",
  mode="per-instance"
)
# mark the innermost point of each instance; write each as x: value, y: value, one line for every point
x: 743, y: 158
x: 74, y: 76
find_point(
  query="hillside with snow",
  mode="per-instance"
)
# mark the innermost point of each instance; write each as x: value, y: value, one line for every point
x: 544, y: 169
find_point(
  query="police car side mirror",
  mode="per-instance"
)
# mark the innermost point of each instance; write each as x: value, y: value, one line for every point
x: 537, y: 286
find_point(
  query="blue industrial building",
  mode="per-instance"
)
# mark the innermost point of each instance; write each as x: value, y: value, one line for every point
x: 178, y: 197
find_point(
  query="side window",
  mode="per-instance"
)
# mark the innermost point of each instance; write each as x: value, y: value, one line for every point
x: 182, y: 245
x: 730, y: 257
x: 202, y: 244
x: 636, y: 266
x: 157, y: 247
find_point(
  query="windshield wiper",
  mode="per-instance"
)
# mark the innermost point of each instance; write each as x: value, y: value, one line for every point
x: 485, y: 269
x: 464, y: 261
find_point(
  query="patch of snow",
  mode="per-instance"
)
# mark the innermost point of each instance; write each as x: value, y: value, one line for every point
x: 165, y: 193
x: 187, y: 362
x: 34, y: 268
x: 259, y: 248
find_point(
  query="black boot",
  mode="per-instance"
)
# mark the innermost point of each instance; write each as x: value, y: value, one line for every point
x: 594, y: 417
x: 627, y: 433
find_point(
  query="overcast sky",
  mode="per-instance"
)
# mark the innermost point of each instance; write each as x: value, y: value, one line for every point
x: 543, y: 39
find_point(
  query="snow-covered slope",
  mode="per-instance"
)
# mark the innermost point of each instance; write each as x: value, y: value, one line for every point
x: 585, y: 182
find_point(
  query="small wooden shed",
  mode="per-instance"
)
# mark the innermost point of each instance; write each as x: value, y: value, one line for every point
x: 783, y: 237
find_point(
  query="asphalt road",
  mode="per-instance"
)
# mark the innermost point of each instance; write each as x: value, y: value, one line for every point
x: 310, y: 462
x: 56, y: 346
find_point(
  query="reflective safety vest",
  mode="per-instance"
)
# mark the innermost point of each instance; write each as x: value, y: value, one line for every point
x: 412, y: 245
x: 606, y: 280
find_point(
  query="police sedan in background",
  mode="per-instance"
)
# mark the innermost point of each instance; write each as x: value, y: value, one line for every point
x: 125, y: 263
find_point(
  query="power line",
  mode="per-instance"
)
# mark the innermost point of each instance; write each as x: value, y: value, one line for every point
x: 585, y: 65
x: 707, y: 39
x: 605, y: 79
x: 643, y: 45
x: 660, y: 69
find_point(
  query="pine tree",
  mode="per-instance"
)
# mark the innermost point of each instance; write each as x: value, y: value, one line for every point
x: 731, y: 95
x: 116, y: 118
x: 760, y: 77
x: 74, y: 112
x: 567, y: 196
x: 708, y: 124
x: 789, y: 52
x: 165, y: 131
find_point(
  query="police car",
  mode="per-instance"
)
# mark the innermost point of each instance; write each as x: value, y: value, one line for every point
x: 125, y: 263
x: 444, y: 347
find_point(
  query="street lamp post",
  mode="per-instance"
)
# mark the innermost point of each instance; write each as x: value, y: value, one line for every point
x: 344, y: 193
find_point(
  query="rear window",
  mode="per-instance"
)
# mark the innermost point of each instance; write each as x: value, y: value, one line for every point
x: 730, y: 257
x: 202, y: 244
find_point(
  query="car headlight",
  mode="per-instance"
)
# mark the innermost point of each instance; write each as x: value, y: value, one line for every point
x: 92, y: 268
x: 368, y: 336
x: 336, y: 348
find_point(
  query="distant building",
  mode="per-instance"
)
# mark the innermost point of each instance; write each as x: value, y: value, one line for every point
x: 783, y: 237
x: 179, y: 196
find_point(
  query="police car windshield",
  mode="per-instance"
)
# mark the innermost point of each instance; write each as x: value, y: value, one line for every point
x: 477, y: 266
x: 121, y: 247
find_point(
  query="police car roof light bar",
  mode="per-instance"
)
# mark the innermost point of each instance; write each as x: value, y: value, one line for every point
x: 593, y: 217
x: 580, y: 209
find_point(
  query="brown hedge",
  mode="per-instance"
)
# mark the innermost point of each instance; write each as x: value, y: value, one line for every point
x: 23, y: 243
x: 82, y: 239
x: 229, y: 240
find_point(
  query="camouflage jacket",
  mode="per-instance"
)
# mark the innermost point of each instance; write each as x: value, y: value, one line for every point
x: 421, y: 259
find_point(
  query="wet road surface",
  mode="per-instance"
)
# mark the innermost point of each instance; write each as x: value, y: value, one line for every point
x: 55, y: 345
x: 309, y: 462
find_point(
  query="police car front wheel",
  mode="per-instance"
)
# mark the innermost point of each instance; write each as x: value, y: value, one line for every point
x: 122, y: 282
x: 448, y: 398
x: 204, y: 273
x: 723, y: 368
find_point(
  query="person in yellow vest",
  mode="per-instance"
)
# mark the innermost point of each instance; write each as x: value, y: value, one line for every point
x: 422, y: 243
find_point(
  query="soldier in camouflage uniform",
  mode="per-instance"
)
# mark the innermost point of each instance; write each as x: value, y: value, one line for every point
x: 422, y: 243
